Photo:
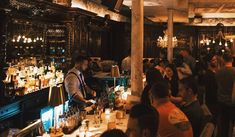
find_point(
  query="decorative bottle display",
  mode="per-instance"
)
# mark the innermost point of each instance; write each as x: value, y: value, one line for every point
x: 71, y: 119
x: 26, y: 76
x: 56, y: 44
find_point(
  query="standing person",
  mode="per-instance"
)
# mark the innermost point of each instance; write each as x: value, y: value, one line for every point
x: 126, y: 63
x: 210, y: 84
x: 143, y: 121
x: 75, y: 85
x: 183, y: 69
x: 171, y: 76
x: 153, y: 76
x: 188, y: 58
x: 173, y: 122
x: 191, y: 107
x: 226, y: 94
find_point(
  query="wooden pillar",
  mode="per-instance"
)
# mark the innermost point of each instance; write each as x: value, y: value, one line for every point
x: 170, y: 35
x: 137, y: 36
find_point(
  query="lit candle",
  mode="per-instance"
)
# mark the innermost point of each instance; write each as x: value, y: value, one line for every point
x: 107, y: 111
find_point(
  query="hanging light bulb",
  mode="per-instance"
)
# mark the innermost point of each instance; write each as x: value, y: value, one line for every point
x: 19, y: 37
x: 231, y: 40
x: 226, y: 44
x: 40, y: 38
x: 222, y: 50
x: 37, y: 38
x: 34, y: 40
x: 213, y: 41
x: 201, y: 41
x: 220, y: 43
x: 23, y: 36
x: 13, y: 40
x: 208, y: 48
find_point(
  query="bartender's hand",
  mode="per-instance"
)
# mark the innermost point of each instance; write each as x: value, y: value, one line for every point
x: 91, y: 101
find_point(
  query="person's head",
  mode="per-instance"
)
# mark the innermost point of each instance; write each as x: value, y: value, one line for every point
x: 179, y: 60
x: 188, y: 88
x: 228, y: 58
x: 212, y: 60
x: 145, y: 61
x: 185, y: 52
x: 113, y: 133
x: 81, y: 63
x: 153, y: 76
x: 158, y: 92
x: 171, y: 71
x: 143, y: 121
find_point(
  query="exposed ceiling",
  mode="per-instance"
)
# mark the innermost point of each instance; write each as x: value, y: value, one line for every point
x: 211, y: 11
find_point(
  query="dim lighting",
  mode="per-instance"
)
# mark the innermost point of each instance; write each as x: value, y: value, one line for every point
x: 29, y: 40
x: 226, y: 44
x: 220, y: 43
x: 231, y: 40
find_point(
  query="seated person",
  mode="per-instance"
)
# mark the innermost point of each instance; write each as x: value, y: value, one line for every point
x: 191, y: 106
x: 173, y: 122
x: 183, y: 69
x: 143, y: 121
x: 113, y: 133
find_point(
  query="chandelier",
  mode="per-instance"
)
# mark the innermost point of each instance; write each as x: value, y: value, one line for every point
x: 163, y: 42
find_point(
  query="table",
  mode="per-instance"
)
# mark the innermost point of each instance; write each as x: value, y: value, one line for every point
x: 97, y: 131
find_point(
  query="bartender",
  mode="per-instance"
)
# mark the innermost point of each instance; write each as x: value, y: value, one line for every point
x: 75, y: 85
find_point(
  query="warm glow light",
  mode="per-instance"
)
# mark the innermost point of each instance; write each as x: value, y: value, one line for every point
x: 226, y: 44
x: 208, y: 48
x: 213, y: 41
x: 201, y: 41
x: 98, y: 9
x: 220, y: 43
x: 231, y: 40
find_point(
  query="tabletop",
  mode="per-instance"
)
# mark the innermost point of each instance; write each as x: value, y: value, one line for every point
x: 96, y: 131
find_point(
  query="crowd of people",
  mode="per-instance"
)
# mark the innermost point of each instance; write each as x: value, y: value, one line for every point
x: 170, y: 105
x: 174, y: 93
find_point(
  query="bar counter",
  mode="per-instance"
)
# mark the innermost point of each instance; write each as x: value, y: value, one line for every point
x: 94, y: 131
x: 24, y: 106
